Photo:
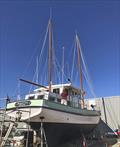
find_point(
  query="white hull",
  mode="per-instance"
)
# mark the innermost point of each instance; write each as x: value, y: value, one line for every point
x: 59, y: 120
x: 54, y: 116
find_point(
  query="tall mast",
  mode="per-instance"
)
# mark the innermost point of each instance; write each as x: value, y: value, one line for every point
x: 50, y: 56
x: 37, y: 70
x: 80, y: 69
x: 63, y: 66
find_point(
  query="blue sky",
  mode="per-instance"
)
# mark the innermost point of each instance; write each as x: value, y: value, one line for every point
x: 23, y: 25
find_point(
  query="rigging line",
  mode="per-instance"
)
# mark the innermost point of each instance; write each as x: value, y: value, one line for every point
x: 68, y: 70
x: 43, y: 45
x: 57, y: 73
x: 73, y: 59
x: 63, y: 65
x: 44, y: 79
x: 43, y: 72
x: 35, y: 51
x: 87, y: 74
x: 60, y: 67
x: 44, y: 76
x: 76, y: 77
x: 35, y: 75
x: 37, y: 70
x: 39, y: 57
x: 91, y: 90
x: 31, y: 86
x: 90, y: 86
x: 56, y: 68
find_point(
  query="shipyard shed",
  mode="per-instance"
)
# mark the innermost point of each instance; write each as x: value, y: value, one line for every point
x: 110, y: 110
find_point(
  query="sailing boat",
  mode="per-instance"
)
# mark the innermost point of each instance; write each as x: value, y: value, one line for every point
x: 58, y: 108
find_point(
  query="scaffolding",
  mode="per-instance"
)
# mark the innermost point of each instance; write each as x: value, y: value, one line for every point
x: 13, y: 128
x: 3, y: 117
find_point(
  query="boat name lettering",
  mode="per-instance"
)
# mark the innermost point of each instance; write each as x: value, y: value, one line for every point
x: 21, y: 104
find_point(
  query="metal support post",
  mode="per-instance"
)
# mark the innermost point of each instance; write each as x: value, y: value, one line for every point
x: 43, y: 140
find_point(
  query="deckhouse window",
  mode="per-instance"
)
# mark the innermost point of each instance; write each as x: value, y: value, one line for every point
x: 56, y: 91
x: 40, y: 97
x: 75, y: 93
x: 31, y: 97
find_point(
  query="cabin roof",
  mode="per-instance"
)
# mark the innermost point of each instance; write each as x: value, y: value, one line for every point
x: 57, y: 86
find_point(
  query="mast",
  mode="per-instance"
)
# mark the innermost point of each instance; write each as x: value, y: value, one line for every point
x: 50, y: 56
x: 80, y: 69
x: 63, y: 67
x: 37, y: 70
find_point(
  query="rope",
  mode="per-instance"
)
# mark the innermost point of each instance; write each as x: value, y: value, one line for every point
x: 73, y: 63
x: 87, y: 76
x: 60, y: 69
x: 40, y: 55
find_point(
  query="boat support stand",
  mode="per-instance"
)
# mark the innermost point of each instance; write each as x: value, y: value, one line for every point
x: 43, y: 142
